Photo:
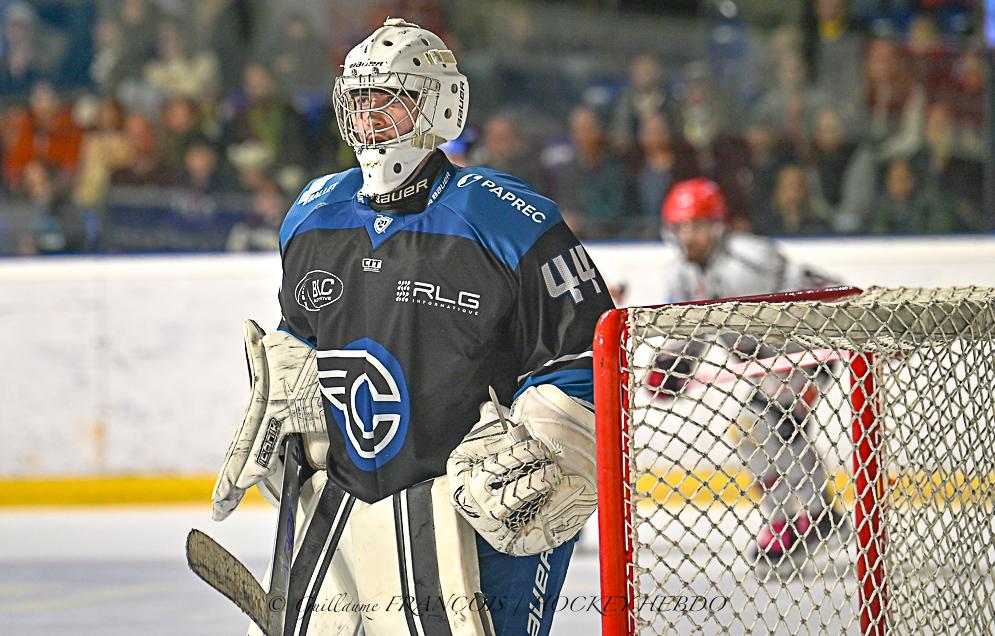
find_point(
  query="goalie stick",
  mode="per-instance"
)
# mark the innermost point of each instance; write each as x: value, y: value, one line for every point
x: 221, y: 570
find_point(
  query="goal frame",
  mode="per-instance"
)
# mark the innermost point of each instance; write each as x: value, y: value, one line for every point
x: 611, y: 396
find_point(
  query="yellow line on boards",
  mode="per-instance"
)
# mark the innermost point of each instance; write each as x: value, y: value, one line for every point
x: 703, y: 488
x: 670, y: 488
x: 112, y: 491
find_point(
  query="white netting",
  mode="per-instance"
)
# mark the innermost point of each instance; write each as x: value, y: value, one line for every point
x: 744, y: 494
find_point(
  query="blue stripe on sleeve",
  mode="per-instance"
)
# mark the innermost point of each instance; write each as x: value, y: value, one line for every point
x: 578, y: 383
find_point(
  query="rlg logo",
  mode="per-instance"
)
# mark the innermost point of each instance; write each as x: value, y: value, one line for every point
x: 318, y: 289
x: 423, y: 293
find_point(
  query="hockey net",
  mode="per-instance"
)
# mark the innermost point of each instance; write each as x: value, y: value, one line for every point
x: 809, y: 463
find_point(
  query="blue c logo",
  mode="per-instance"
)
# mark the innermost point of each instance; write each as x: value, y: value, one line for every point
x: 365, y: 385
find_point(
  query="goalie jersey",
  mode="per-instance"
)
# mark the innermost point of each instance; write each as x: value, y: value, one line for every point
x: 414, y: 315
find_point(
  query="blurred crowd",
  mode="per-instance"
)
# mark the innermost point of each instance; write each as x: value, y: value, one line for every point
x: 137, y: 125
x: 835, y: 124
x: 176, y: 136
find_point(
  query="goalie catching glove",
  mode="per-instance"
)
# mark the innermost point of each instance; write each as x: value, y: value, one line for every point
x: 285, y: 398
x: 526, y: 493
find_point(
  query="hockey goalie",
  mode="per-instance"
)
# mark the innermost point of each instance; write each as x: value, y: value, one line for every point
x: 435, y: 353
x: 773, y: 435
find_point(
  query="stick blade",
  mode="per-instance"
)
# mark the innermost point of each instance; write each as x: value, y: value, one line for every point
x: 222, y: 571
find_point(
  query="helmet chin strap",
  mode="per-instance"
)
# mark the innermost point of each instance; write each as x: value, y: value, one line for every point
x: 385, y: 171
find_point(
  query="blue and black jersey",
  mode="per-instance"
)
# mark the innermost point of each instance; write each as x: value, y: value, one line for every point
x: 414, y: 315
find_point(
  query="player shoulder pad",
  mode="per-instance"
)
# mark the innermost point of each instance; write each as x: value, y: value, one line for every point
x: 330, y: 189
x: 505, y: 214
x: 756, y: 252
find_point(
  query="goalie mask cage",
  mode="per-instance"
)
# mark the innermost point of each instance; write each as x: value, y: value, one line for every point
x: 863, y: 420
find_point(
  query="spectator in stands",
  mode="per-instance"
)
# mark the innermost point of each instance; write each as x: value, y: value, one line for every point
x: 904, y: 206
x: 964, y: 90
x: 589, y: 182
x: 146, y: 166
x: 895, y: 101
x: 645, y: 93
x: 112, y: 65
x: 833, y: 47
x: 770, y: 47
x: 253, y: 163
x: 503, y: 148
x: 665, y: 161
x: 701, y: 111
x: 922, y: 35
x: 266, y: 117
x: 27, y: 55
x: 950, y: 169
x: 103, y: 150
x: 768, y: 153
x: 180, y: 120
x: 139, y: 21
x: 201, y: 168
x: 792, y: 101
x: 260, y: 232
x: 844, y: 171
x: 791, y: 209
x: 47, y: 133
x: 55, y: 228
x: 299, y: 57
x: 179, y: 72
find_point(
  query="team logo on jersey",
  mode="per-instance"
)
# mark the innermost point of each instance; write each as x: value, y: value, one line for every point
x: 424, y: 293
x: 365, y: 386
x: 318, y: 289
x: 381, y: 223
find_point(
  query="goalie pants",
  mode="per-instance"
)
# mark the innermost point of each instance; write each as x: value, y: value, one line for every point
x: 409, y: 564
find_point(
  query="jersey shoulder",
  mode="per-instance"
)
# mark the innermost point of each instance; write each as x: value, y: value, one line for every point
x: 756, y: 252
x: 505, y: 214
x: 329, y: 190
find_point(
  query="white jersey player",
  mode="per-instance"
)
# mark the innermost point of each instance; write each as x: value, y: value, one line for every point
x: 435, y: 351
x: 773, y: 432
x: 718, y: 262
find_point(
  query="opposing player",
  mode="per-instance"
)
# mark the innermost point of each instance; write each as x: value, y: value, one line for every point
x: 410, y: 288
x: 774, y: 431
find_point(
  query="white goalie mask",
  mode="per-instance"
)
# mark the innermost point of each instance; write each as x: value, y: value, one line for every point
x: 399, y: 97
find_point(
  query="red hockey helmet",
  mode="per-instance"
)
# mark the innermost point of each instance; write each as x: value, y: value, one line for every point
x: 694, y: 200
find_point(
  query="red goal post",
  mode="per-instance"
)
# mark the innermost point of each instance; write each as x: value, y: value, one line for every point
x: 876, y: 319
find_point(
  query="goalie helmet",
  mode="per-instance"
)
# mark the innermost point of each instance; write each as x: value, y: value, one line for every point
x: 399, y: 97
x: 694, y: 200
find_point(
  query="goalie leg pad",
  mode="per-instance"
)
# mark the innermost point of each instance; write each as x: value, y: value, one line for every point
x: 388, y: 572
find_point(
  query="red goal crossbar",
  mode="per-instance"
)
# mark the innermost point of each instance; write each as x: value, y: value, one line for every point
x: 615, y: 507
